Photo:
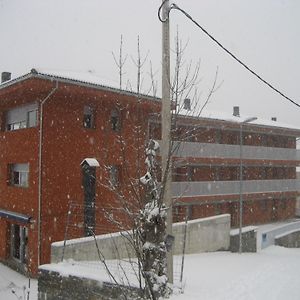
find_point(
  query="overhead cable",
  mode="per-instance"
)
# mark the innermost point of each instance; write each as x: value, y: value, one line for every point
x: 174, y: 6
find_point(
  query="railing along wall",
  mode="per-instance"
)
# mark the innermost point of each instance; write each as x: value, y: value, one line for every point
x: 197, y: 188
x: 210, y: 150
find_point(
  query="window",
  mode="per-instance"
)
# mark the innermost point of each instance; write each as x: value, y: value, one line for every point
x: 190, y: 173
x: 115, y: 120
x: 18, y: 248
x: 283, y: 203
x: 19, y: 174
x: 218, y: 136
x: 187, y: 104
x: 21, y: 117
x: 114, y: 176
x: 264, y: 204
x: 31, y: 118
x: 88, y: 117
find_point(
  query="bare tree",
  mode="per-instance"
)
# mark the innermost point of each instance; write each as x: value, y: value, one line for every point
x: 120, y: 62
x: 142, y: 215
x: 139, y: 63
x: 152, y: 229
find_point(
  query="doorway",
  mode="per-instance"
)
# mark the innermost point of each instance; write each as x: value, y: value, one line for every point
x: 89, y: 188
x: 18, y: 245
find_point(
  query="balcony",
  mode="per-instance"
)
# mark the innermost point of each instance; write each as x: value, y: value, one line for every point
x: 207, y: 150
x: 192, y: 189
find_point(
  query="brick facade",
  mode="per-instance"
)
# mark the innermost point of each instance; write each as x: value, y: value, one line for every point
x: 55, y: 147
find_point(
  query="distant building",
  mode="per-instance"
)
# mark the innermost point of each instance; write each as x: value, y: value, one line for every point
x: 65, y: 140
x: 298, y: 199
x: 206, y: 173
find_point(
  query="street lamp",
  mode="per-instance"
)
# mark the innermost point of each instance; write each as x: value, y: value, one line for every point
x: 241, y: 180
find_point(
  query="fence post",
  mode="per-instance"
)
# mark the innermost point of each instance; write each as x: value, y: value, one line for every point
x: 66, y: 230
x: 184, y: 243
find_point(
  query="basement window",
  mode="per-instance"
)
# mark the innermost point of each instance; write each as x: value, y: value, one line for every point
x: 88, y: 117
x: 21, y: 117
x: 18, y: 174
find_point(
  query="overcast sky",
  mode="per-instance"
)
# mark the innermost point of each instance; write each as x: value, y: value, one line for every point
x: 76, y: 35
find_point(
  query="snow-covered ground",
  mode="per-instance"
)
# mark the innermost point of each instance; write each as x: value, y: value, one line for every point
x: 15, y: 286
x: 272, y: 273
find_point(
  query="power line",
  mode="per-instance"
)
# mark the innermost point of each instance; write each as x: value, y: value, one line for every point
x: 174, y: 6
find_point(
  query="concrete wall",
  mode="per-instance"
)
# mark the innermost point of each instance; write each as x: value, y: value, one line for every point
x: 111, y: 246
x: 202, y: 235
x: 289, y: 240
x: 268, y: 237
x: 249, y: 239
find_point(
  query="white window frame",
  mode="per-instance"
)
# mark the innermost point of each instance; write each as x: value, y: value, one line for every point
x: 19, y: 117
x: 19, y: 174
x: 32, y: 122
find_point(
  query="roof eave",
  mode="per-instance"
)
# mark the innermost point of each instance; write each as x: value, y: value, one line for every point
x: 39, y: 75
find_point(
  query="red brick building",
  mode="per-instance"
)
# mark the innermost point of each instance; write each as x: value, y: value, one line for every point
x: 63, y: 140
x: 206, y: 170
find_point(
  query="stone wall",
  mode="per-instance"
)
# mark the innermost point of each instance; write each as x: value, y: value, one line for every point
x: 249, y: 239
x: 268, y: 237
x: 53, y: 286
x: 289, y: 240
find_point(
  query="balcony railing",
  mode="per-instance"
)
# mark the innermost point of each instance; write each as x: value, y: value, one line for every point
x: 208, y: 150
x: 190, y: 189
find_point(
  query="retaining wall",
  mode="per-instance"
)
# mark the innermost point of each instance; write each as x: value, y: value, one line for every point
x: 52, y: 286
x: 268, y: 237
x: 249, y: 239
x: 202, y: 235
x: 289, y: 240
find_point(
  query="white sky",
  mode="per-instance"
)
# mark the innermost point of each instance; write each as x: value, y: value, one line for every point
x: 76, y: 35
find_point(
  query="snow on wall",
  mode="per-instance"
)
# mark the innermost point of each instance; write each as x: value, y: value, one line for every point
x: 202, y: 235
x: 268, y: 237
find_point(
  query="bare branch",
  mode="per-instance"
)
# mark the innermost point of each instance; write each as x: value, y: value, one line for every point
x: 120, y: 62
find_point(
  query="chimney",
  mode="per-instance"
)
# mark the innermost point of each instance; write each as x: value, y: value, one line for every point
x: 274, y: 119
x: 236, y: 111
x: 187, y: 104
x: 5, y: 76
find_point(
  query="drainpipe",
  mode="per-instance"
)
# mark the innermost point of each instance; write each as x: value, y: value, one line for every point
x: 40, y: 171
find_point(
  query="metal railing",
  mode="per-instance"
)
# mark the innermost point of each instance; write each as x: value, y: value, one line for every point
x: 210, y: 150
x: 200, y: 188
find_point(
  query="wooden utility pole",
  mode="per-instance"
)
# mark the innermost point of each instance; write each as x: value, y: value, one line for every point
x: 166, y: 130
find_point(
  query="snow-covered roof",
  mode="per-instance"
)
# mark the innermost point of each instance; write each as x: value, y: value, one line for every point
x: 225, y: 116
x: 92, y: 162
x: 87, y: 79
x: 91, y: 79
